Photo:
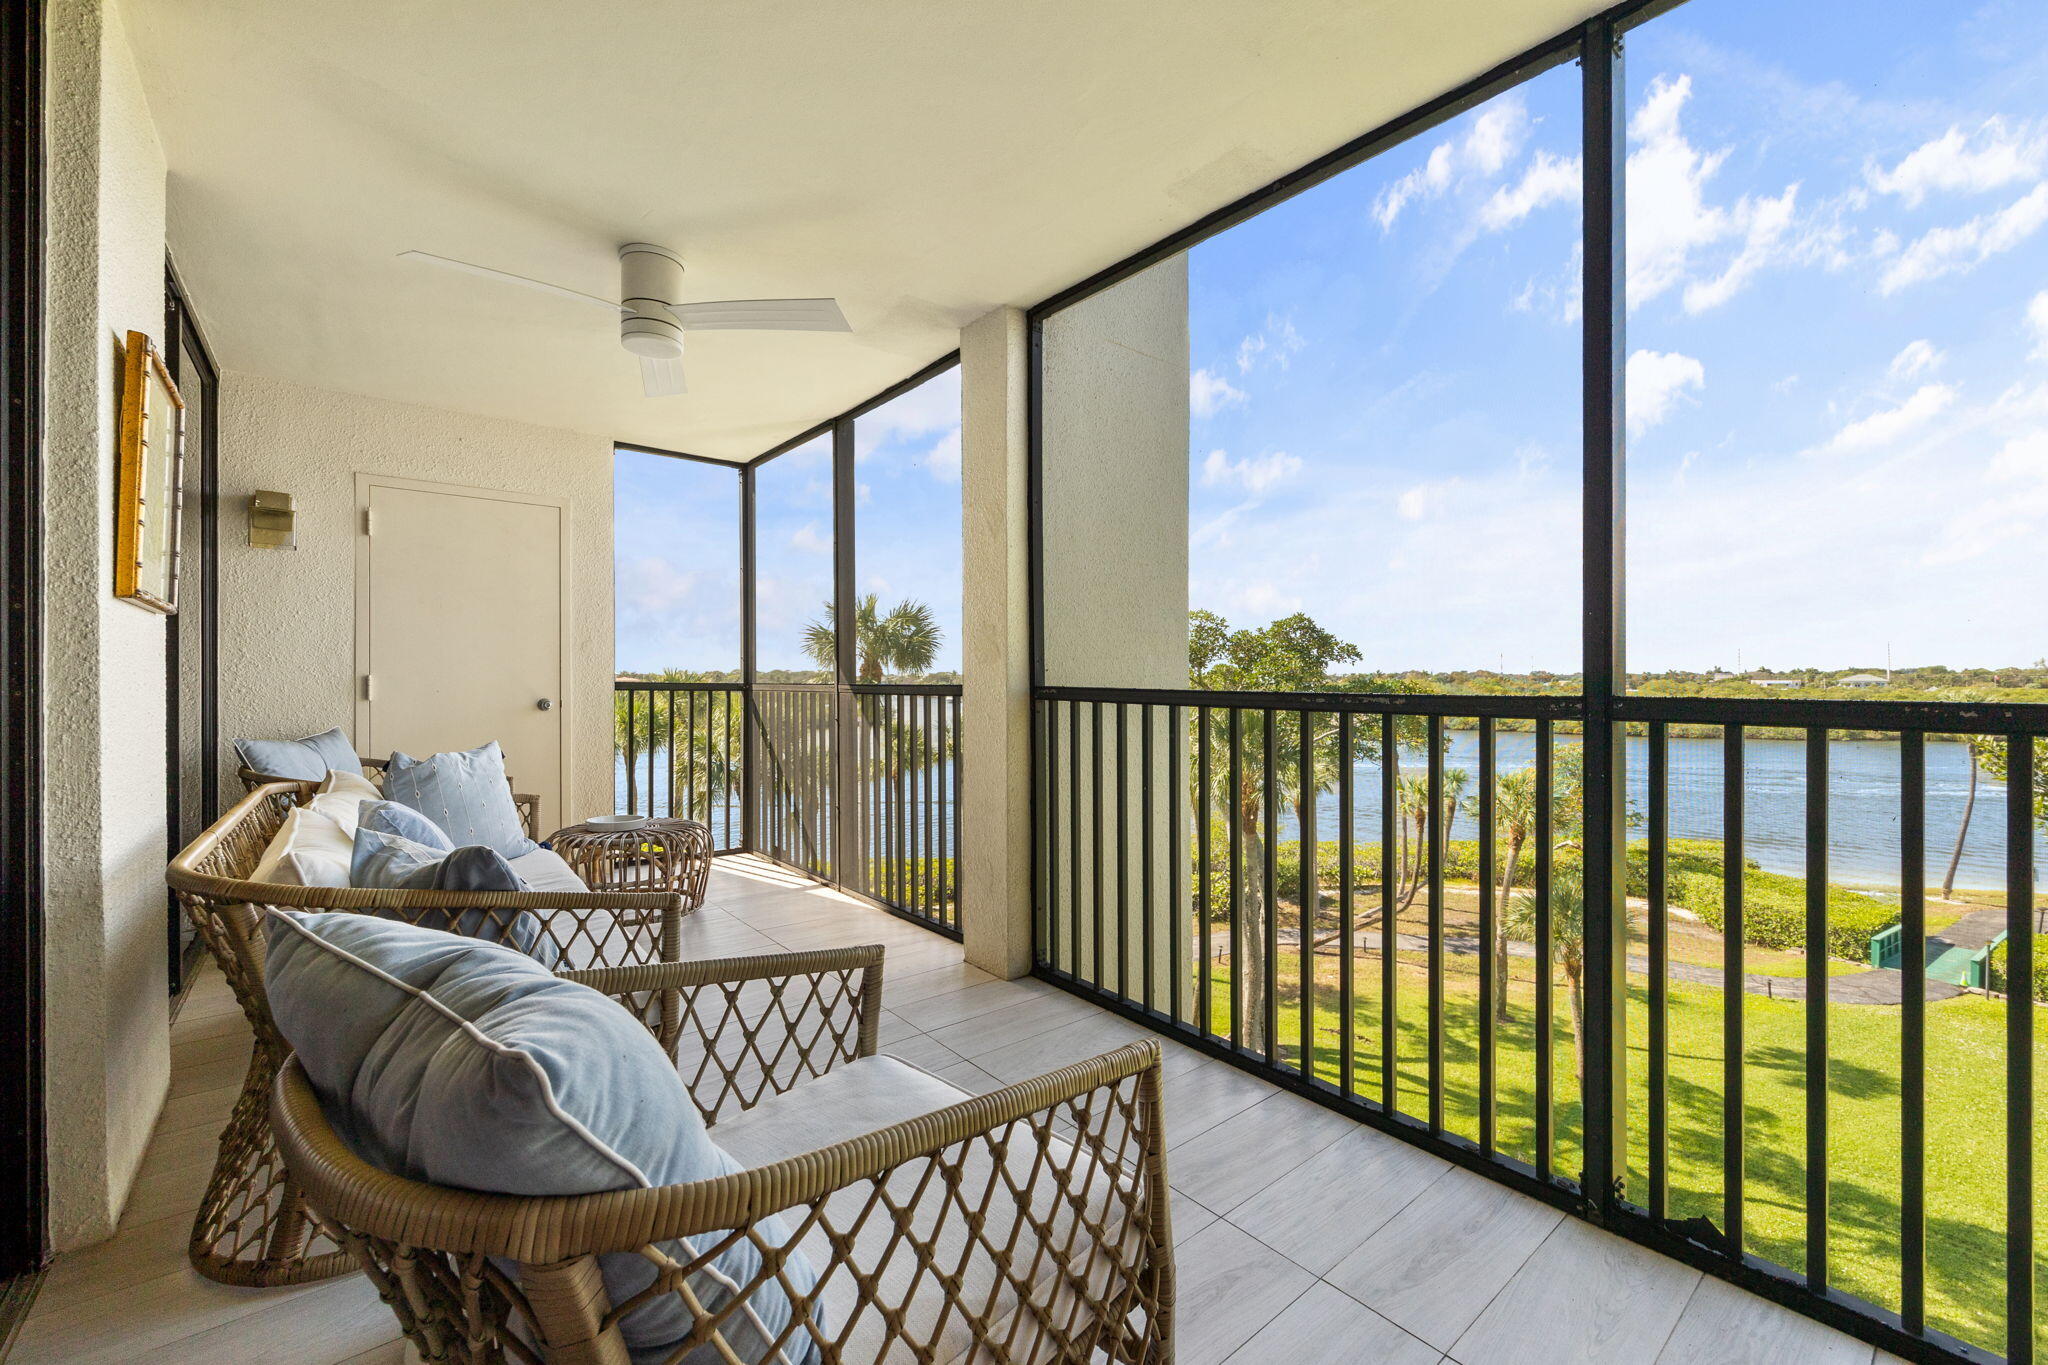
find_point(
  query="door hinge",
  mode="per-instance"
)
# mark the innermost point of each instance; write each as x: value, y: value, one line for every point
x: 367, y: 522
x: 369, y: 687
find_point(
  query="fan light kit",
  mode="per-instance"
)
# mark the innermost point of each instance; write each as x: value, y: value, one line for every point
x: 653, y: 316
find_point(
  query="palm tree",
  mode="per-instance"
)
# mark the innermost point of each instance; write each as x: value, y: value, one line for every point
x: 906, y: 640
x: 1955, y: 856
x: 1567, y: 943
x: 706, y: 761
x: 1514, y: 816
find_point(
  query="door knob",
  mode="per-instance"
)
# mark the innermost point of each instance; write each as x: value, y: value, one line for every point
x: 545, y: 704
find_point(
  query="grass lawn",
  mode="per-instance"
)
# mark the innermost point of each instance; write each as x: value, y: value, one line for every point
x: 1965, y: 1115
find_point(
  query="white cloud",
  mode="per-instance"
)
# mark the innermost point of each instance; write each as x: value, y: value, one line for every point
x: 1655, y: 381
x: 1256, y: 474
x: 1546, y: 180
x: 1425, y: 500
x: 1993, y: 156
x: 932, y: 406
x: 1671, y: 221
x: 1668, y: 216
x: 809, y: 537
x: 1764, y: 224
x: 1916, y: 359
x: 943, y: 459
x: 1488, y: 144
x: 1277, y: 343
x: 1946, y: 250
x: 2022, y: 459
x: 1881, y: 429
x: 1209, y: 393
x: 2037, y: 319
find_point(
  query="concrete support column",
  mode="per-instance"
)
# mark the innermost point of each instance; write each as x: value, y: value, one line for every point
x: 995, y: 797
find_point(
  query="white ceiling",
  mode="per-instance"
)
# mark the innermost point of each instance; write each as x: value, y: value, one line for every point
x: 922, y: 162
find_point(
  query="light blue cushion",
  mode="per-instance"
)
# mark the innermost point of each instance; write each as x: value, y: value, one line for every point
x: 391, y: 862
x: 302, y: 760
x: 464, y: 793
x: 389, y: 817
x: 465, y: 1064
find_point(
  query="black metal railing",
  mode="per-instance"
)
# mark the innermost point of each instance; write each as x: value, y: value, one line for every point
x: 906, y: 799
x: 796, y: 749
x: 688, y: 748
x: 1310, y: 887
x: 679, y: 750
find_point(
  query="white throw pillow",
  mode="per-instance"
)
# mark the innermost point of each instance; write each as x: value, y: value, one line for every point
x: 309, y: 849
x: 341, y: 796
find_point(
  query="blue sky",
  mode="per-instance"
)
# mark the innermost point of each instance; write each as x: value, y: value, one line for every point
x: 1838, y: 379
x: 1838, y: 370
x: 678, y: 540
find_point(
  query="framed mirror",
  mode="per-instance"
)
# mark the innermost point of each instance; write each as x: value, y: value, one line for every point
x: 149, y: 483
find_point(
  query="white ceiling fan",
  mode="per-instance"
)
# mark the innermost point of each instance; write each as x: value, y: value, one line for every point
x: 653, y: 316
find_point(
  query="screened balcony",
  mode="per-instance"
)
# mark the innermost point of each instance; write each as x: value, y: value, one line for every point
x: 1324, y: 640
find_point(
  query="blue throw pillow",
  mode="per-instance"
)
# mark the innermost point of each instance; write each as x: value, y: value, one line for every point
x: 463, y: 793
x: 467, y: 1065
x: 391, y: 862
x: 388, y: 817
x: 302, y: 760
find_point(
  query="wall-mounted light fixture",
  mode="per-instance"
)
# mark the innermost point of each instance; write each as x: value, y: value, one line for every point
x: 270, y: 520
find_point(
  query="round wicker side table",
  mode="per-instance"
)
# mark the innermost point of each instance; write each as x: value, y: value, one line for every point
x: 662, y: 855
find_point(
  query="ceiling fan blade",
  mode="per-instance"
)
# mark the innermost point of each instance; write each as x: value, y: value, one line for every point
x: 510, y: 278
x: 662, y: 378
x: 762, y: 315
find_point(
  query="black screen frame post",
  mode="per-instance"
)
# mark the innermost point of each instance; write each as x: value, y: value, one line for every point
x: 183, y: 337
x: 24, y: 1245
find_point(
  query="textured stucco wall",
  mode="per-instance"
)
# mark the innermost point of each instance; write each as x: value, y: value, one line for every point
x: 108, y: 1052
x: 1115, y: 470
x: 995, y: 905
x: 287, y: 617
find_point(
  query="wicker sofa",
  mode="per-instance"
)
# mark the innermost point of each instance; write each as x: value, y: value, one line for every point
x: 252, y: 1228
x: 1025, y: 1225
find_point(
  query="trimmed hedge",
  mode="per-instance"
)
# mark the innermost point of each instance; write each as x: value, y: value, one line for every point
x: 1773, y: 904
x: 1998, y: 960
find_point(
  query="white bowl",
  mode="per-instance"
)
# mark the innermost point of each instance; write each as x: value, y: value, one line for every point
x: 616, y: 821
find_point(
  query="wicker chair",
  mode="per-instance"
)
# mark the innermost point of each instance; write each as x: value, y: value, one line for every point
x: 1029, y: 1224
x: 251, y: 1228
x: 373, y: 768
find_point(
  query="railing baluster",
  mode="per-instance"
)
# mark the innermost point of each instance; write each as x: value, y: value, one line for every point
x: 1732, y: 990
x: 1123, y: 850
x: 1390, y: 931
x: 1817, y: 1009
x: 1269, y: 833
x: 1434, y: 869
x: 1913, y: 1030
x: 1305, y: 813
x: 1097, y: 973
x: 1176, y: 898
x: 2019, y: 1050
x: 1234, y: 807
x: 1074, y: 858
x: 1545, y: 970
x: 1205, y: 905
x: 1347, y: 1045
x: 1489, y: 928
x: 1658, y: 782
x: 1146, y: 855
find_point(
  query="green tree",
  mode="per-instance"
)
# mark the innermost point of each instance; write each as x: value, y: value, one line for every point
x: 1514, y: 820
x: 1293, y: 654
x: 905, y: 640
x: 1567, y: 942
x: 703, y: 758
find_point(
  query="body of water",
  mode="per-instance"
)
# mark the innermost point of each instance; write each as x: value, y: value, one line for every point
x: 1863, y: 803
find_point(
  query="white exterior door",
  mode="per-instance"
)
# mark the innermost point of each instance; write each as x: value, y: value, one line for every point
x: 461, y: 627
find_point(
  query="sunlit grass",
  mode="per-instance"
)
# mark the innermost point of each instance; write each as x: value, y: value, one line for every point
x: 1965, y: 1120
